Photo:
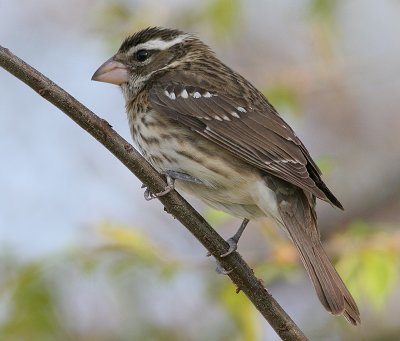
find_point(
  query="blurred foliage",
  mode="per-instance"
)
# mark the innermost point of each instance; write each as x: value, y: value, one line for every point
x: 139, y: 248
x: 369, y: 261
x: 215, y: 217
x: 32, y: 306
x: 323, y: 10
x: 221, y: 16
x: 117, y: 19
x: 132, y: 240
x: 241, y: 310
x: 284, y: 98
x: 367, y: 256
x: 325, y: 164
x: 323, y: 29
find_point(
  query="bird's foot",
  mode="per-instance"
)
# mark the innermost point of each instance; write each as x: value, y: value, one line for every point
x: 221, y: 270
x: 233, y: 241
x: 170, y: 186
x: 171, y: 176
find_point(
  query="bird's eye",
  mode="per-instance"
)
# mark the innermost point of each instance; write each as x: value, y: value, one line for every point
x: 142, y: 55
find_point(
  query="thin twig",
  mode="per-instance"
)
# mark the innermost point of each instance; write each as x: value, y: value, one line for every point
x: 242, y: 275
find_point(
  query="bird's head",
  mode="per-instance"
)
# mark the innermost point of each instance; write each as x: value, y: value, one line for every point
x: 147, y: 53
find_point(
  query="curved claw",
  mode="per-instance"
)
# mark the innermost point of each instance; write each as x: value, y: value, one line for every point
x: 170, y: 186
x: 220, y: 269
x: 148, y: 195
x: 232, y: 247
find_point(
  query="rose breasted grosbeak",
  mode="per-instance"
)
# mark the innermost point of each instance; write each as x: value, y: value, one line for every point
x: 214, y: 135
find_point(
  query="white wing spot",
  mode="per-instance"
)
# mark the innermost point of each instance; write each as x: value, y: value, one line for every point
x: 218, y: 118
x: 196, y: 95
x: 206, y: 118
x: 170, y: 95
x: 208, y: 128
x: 184, y: 94
x: 286, y: 161
x: 226, y: 118
x: 241, y: 109
x: 207, y: 95
x: 235, y: 114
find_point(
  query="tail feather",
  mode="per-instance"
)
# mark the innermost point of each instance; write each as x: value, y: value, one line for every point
x: 298, y: 216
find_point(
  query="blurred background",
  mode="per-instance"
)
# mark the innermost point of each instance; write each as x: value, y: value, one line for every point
x: 84, y: 257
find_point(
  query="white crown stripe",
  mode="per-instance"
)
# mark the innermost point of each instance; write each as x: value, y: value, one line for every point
x: 158, y: 44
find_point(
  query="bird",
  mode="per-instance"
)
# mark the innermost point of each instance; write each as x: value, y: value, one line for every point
x: 215, y: 136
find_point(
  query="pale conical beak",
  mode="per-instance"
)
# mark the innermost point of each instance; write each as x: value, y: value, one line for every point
x: 111, y: 72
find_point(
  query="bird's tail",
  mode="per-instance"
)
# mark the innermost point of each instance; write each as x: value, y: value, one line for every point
x: 298, y: 215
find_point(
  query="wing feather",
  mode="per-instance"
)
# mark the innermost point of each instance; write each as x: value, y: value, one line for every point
x: 252, y: 132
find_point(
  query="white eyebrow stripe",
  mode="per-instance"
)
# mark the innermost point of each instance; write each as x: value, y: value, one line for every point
x: 158, y: 44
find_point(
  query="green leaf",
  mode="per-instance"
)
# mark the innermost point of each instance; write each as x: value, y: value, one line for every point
x: 369, y: 261
x: 241, y: 310
x: 323, y: 22
x: 223, y: 15
x: 32, y: 311
x: 215, y: 217
x: 360, y: 229
x: 323, y: 9
x: 132, y: 240
x: 284, y: 98
x: 380, y: 275
x: 325, y: 164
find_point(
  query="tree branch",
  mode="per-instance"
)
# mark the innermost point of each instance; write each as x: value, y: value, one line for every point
x: 242, y: 275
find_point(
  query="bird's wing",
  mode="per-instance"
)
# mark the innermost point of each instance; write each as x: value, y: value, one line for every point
x: 252, y: 132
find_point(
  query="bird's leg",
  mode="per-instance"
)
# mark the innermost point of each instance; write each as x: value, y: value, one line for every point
x: 171, y: 176
x: 233, y: 241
